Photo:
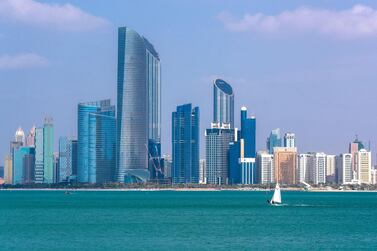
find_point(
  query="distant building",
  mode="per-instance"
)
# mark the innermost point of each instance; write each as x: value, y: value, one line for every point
x: 317, y: 168
x: 2, y: 172
x: 344, y: 168
x: 373, y: 176
x: 30, y: 139
x: 285, y: 165
x: 303, y: 169
x: 138, y: 107
x: 67, y: 159
x: 289, y: 140
x: 223, y: 103
x: 20, y: 136
x: 274, y: 140
x: 39, y: 156
x: 28, y: 167
x: 96, y: 142
x: 330, y: 169
x: 242, y: 152
x: 8, y: 173
x: 48, y: 151
x: 364, y: 166
x: 217, y: 154
x: 265, y: 164
x: 18, y: 163
x: 202, y: 171
x: 185, y: 144
x: 167, y: 166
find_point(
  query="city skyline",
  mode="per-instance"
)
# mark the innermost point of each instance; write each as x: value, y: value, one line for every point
x: 332, y: 140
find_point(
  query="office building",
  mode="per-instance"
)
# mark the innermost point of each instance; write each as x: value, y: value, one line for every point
x: 48, y: 151
x: 223, y: 103
x: 344, y: 168
x: 217, y: 154
x: 303, y: 169
x: 289, y: 140
x: 138, y: 106
x: 20, y: 136
x: 168, y: 163
x: 39, y: 156
x: 285, y: 160
x: 8, y: 173
x: 67, y: 159
x: 274, y: 140
x: 265, y: 164
x: 364, y: 166
x: 18, y: 163
x: 330, y: 169
x: 28, y: 167
x: 185, y: 144
x: 202, y: 171
x: 317, y: 168
x: 96, y: 142
x: 30, y: 139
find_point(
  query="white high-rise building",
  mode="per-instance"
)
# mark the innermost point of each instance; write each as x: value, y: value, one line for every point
x: 330, y: 169
x: 364, y: 166
x: 373, y: 176
x: 317, y: 168
x: 19, y: 136
x: 265, y: 164
x: 344, y: 168
x: 202, y: 171
x: 289, y: 140
x: 303, y: 167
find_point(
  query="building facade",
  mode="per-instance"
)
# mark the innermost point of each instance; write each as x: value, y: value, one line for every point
x: 48, y: 151
x: 185, y: 144
x: 8, y: 173
x: 330, y: 168
x: 274, y: 140
x: 265, y: 164
x: 285, y: 165
x: 138, y: 106
x: 223, y: 103
x: 96, y: 142
x: 289, y: 140
x: 344, y: 172
x: 18, y: 163
x: 39, y: 154
x: 364, y: 166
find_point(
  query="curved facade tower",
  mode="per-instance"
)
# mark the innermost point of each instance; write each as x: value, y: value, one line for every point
x: 223, y: 103
x: 138, y: 104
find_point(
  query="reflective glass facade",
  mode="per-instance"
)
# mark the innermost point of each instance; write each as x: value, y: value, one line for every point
x: 223, y: 103
x: 18, y: 163
x: 39, y: 166
x: 96, y: 142
x: 138, y: 104
x: 274, y: 140
x: 48, y: 151
x: 67, y: 158
x: 185, y: 144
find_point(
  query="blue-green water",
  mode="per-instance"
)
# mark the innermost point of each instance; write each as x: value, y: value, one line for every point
x: 226, y: 220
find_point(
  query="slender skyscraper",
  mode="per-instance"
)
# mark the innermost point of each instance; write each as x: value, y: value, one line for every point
x: 289, y: 140
x: 185, y: 144
x: 223, y: 103
x: 48, y: 151
x: 39, y: 163
x: 96, y: 142
x: 67, y: 158
x: 138, y: 106
x: 274, y: 140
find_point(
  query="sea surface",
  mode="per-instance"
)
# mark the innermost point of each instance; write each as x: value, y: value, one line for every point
x: 175, y: 220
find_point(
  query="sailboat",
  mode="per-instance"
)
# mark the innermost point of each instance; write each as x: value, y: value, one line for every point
x: 276, y: 198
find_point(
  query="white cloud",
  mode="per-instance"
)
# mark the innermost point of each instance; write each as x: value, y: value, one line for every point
x: 359, y: 21
x: 21, y: 61
x: 56, y: 16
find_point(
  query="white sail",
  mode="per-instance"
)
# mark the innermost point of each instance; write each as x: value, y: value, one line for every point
x: 276, y: 198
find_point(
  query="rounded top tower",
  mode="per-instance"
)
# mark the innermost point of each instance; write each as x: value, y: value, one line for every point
x: 19, y: 136
x: 223, y: 86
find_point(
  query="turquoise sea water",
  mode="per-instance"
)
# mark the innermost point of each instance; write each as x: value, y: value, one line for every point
x: 226, y: 220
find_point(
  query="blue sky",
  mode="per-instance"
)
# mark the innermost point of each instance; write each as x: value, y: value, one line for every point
x: 303, y: 66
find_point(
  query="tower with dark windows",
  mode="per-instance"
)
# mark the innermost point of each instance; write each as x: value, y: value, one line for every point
x: 138, y: 140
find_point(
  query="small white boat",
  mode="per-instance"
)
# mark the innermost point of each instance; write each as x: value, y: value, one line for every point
x: 276, y: 198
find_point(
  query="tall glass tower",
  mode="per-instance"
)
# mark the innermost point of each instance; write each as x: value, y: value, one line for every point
x: 185, y: 144
x: 48, y: 151
x: 138, y: 106
x: 274, y: 140
x: 223, y: 103
x: 96, y: 142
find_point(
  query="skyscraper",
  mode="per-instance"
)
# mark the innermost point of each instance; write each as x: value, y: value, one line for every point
x: 28, y: 167
x: 8, y: 173
x: 20, y: 136
x: 285, y: 164
x: 344, y: 170
x: 303, y: 167
x: 265, y: 164
x: 30, y: 139
x: 330, y: 168
x: 274, y: 140
x: 67, y: 158
x: 39, y: 156
x: 289, y: 140
x: 217, y: 154
x: 317, y: 168
x: 138, y: 106
x: 223, y: 103
x: 185, y: 144
x: 18, y: 163
x: 96, y: 142
x: 48, y: 151
x: 364, y: 162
